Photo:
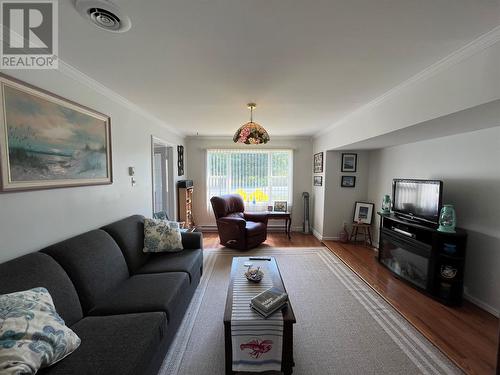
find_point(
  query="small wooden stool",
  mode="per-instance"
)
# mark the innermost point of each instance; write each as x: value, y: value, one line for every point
x: 365, y: 230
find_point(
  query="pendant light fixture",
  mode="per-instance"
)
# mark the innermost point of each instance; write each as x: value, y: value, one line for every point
x: 251, y: 133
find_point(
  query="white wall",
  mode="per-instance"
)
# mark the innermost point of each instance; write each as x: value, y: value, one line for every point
x: 196, y: 162
x: 466, y: 79
x: 32, y: 220
x: 469, y: 166
x: 333, y: 205
x: 339, y: 201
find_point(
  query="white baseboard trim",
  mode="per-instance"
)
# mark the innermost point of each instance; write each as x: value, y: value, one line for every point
x: 481, y: 304
x: 271, y: 228
x: 317, y: 234
x: 331, y: 238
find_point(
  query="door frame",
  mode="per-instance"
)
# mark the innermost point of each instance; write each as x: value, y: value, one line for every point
x: 172, y: 196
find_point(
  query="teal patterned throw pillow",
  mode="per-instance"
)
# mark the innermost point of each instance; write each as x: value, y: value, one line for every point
x: 32, y: 334
x: 161, y: 236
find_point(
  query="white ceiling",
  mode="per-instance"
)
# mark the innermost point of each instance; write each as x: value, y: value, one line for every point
x: 307, y: 63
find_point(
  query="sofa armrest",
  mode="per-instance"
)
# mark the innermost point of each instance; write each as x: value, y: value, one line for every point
x: 192, y: 240
x: 258, y: 217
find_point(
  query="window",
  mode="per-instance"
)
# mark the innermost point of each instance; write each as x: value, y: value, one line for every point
x: 259, y: 176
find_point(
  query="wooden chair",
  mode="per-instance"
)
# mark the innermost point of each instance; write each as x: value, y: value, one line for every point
x: 363, y: 229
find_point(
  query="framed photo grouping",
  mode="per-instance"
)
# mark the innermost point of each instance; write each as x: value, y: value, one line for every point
x: 280, y: 206
x: 318, y: 180
x: 47, y: 141
x: 348, y: 181
x: 349, y: 162
x: 363, y: 213
x: 318, y: 162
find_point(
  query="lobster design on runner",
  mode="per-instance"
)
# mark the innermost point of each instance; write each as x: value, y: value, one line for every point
x: 257, y: 348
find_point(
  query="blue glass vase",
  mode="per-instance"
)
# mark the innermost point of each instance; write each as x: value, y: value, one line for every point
x: 447, y: 219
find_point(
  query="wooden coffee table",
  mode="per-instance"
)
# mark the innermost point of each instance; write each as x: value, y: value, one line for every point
x: 287, y: 362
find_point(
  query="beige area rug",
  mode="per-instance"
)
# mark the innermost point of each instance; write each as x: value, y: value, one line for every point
x: 343, y: 326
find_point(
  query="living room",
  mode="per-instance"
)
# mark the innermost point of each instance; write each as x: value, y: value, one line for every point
x: 155, y: 155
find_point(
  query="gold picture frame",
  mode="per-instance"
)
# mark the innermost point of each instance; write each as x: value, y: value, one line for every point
x: 47, y: 141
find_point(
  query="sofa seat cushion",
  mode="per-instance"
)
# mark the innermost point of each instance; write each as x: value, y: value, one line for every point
x: 146, y: 293
x: 118, y: 344
x: 189, y: 261
x: 254, y: 229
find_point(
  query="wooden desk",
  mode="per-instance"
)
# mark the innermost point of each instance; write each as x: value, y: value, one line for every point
x: 286, y: 216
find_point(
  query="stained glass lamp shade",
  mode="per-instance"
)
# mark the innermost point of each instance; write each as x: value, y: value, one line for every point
x: 251, y: 133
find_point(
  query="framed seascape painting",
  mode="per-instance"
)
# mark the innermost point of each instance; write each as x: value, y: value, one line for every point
x: 49, y: 142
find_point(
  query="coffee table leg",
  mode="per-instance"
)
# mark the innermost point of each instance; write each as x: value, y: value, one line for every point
x: 289, y: 228
x: 229, y: 349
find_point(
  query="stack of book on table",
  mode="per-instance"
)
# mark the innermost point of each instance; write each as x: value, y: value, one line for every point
x: 269, y: 301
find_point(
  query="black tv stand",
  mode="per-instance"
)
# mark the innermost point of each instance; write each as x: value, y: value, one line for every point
x: 429, y: 260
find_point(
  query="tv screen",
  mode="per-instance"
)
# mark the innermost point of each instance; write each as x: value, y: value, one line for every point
x: 417, y: 199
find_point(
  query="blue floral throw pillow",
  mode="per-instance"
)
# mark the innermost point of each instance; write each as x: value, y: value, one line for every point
x: 32, y: 334
x: 161, y: 236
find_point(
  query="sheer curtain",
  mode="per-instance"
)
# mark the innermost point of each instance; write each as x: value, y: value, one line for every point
x: 259, y: 176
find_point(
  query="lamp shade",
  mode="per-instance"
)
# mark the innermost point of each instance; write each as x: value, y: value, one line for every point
x: 251, y: 133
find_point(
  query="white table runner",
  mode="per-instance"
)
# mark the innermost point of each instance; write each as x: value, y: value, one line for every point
x: 257, y: 342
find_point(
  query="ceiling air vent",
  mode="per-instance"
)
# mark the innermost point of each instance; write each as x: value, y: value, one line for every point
x: 104, y: 14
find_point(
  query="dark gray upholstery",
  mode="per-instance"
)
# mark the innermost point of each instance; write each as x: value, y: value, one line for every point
x: 94, y: 263
x: 129, y: 235
x: 114, y: 345
x: 40, y: 270
x: 126, y: 322
x: 192, y: 240
x: 145, y: 293
x: 190, y: 261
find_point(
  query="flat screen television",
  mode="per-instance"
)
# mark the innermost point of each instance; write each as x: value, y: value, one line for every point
x: 418, y: 200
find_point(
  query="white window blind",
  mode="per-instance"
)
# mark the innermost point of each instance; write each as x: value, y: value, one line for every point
x: 259, y: 176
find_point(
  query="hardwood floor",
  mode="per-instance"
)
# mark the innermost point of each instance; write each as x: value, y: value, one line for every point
x: 467, y: 335
x: 274, y: 239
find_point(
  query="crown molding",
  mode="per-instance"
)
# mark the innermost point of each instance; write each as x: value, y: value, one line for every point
x: 75, y: 74
x: 477, y: 45
x: 226, y: 137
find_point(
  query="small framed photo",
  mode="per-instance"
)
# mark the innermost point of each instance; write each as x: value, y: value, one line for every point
x: 349, y: 162
x: 269, y: 208
x: 348, y: 181
x: 363, y: 212
x: 318, y: 162
x: 280, y: 206
x: 318, y: 180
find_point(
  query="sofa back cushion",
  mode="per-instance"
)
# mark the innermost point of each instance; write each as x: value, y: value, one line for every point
x: 40, y: 270
x: 94, y: 263
x: 129, y: 235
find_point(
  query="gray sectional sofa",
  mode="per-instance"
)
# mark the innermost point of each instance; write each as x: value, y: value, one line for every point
x: 125, y: 305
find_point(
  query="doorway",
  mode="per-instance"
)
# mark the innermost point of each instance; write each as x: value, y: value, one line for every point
x: 163, y: 179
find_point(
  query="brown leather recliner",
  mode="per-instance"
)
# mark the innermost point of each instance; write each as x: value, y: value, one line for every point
x: 238, y: 229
